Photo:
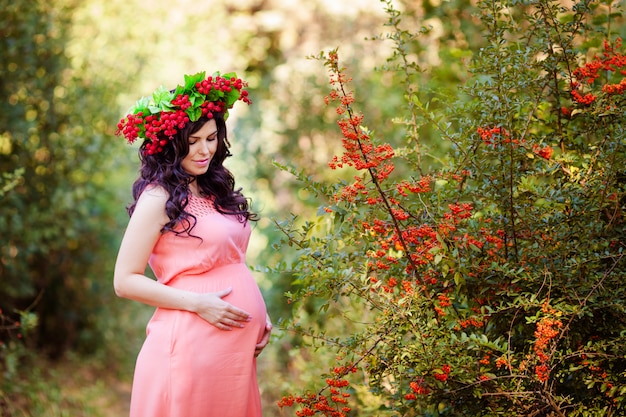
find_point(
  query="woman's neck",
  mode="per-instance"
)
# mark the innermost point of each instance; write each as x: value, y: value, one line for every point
x: 193, y: 188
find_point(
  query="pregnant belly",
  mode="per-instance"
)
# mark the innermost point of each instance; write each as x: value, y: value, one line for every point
x: 245, y: 294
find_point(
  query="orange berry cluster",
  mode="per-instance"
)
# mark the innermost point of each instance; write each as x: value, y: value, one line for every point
x: 611, y: 61
x: 418, y: 387
x: 334, y: 405
x: 546, y: 331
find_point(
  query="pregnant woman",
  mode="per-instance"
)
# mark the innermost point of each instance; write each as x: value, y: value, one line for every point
x: 190, y: 224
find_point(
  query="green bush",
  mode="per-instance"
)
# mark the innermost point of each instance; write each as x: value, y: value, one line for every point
x: 492, y: 283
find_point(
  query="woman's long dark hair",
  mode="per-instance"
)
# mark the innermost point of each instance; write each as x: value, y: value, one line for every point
x: 164, y: 169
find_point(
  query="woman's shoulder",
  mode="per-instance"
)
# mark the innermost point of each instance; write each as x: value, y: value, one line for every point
x: 152, y: 201
x: 148, y: 214
x: 155, y: 191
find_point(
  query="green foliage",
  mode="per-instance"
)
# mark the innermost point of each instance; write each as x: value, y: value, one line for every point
x: 46, y: 390
x: 58, y: 198
x: 10, y: 180
x: 491, y: 283
x: 55, y: 221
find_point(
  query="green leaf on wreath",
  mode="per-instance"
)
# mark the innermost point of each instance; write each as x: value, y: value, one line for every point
x: 192, y: 80
x: 162, y: 98
x: 194, y: 113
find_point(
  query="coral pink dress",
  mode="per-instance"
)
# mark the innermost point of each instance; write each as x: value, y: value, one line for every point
x: 187, y: 367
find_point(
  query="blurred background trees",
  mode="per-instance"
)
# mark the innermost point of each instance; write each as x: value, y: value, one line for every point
x: 68, y: 71
x: 56, y: 223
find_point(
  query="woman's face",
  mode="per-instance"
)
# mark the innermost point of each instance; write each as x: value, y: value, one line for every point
x: 202, y: 147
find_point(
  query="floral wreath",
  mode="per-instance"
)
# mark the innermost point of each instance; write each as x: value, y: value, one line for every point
x: 168, y: 111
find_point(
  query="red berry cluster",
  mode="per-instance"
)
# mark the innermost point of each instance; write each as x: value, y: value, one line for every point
x: 545, y: 152
x: 166, y: 122
x: 210, y: 107
x: 224, y: 84
x: 548, y: 329
x: 334, y: 405
x: 489, y: 135
x: 244, y: 97
x: 586, y: 100
x: 442, y: 374
x: 610, y: 61
x: 359, y: 150
x: 130, y: 126
x: 418, y: 387
x: 182, y: 101
x: 219, y: 84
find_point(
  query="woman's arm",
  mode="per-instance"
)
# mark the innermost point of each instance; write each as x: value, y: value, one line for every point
x: 129, y: 281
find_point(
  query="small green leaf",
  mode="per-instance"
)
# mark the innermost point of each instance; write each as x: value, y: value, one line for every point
x: 162, y: 96
x: 192, y: 80
x: 194, y: 113
x: 458, y: 279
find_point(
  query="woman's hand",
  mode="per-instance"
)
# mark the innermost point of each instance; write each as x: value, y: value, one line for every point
x: 219, y: 313
x: 266, y: 337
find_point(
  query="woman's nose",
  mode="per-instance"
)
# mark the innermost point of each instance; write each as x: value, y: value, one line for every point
x: 204, y: 147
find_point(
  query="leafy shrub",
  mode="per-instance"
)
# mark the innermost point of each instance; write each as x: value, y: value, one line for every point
x: 493, y: 283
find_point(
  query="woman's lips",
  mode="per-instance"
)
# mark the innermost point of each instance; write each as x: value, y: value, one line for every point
x: 203, y: 162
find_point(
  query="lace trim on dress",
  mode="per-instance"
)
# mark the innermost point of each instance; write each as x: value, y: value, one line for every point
x: 200, y: 206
